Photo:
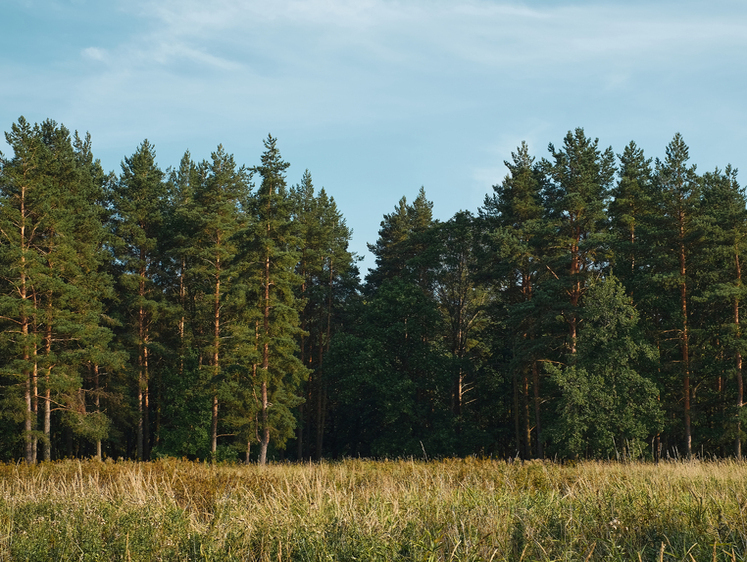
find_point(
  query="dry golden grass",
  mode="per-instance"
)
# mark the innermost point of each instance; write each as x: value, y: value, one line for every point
x: 364, y: 510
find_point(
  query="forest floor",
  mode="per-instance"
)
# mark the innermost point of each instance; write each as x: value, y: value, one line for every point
x: 462, y: 509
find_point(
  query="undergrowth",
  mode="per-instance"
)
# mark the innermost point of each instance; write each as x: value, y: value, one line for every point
x: 451, y: 510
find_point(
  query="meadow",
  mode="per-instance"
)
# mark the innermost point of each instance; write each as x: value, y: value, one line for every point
x: 450, y: 510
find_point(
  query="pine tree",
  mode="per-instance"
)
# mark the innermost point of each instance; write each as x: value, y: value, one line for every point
x: 513, y: 218
x: 24, y: 207
x: 723, y: 220
x: 52, y: 248
x: 631, y: 202
x: 139, y: 200
x: 220, y: 200
x: 401, y: 248
x: 576, y: 197
x: 463, y: 304
x: 674, y: 237
x: 184, y: 418
x: 269, y: 255
x: 325, y: 264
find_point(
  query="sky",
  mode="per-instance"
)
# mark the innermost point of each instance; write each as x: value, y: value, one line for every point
x: 377, y: 98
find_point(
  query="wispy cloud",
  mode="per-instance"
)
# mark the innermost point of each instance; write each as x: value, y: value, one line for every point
x: 95, y: 53
x: 434, y: 92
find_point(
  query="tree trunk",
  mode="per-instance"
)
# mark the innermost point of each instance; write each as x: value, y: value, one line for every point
x: 265, y: 438
x: 146, y: 403
x: 47, y: 452
x: 25, y: 322
x: 35, y: 405
x: 97, y: 403
x: 537, y: 424
x: 299, y: 433
x: 685, y: 342
x: 216, y: 356
x: 141, y: 329
x: 740, y: 380
x: 575, y: 291
x: 525, y: 416
x: 517, y: 415
x: 319, y: 402
x: 300, y: 426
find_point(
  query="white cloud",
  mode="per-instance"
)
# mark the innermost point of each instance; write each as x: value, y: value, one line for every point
x: 95, y: 53
x: 471, y: 73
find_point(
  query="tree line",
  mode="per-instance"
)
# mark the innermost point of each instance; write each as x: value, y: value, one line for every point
x: 590, y: 308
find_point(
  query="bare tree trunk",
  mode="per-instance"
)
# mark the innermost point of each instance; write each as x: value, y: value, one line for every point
x: 47, y: 448
x: 740, y: 380
x: 146, y: 403
x: 517, y: 415
x: 141, y: 331
x: 685, y: 342
x: 29, y: 395
x: 25, y: 322
x: 265, y: 436
x: 537, y: 424
x: 35, y: 405
x: 525, y: 416
x: 216, y: 357
x: 319, y: 398
x: 301, y: 412
x: 97, y: 403
x: 28, y: 426
x: 265, y: 440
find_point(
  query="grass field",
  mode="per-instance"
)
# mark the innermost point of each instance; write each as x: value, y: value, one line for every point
x: 364, y: 510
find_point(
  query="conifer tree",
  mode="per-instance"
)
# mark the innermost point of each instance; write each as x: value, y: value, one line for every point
x: 576, y: 197
x: 674, y: 238
x: 220, y: 215
x: 139, y: 200
x: 24, y: 202
x: 51, y: 301
x: 401, y: 248
x: 184, y: 418
x: 723, y: 219
x: 463, y: 304
x: 324, y: 265
x: 513, y: 217
x: 631, y: 201
x: 270, y: 254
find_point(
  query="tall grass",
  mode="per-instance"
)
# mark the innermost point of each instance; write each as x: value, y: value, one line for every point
x: 363, y: 510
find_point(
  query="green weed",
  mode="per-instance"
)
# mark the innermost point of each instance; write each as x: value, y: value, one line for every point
x: 450, y: 510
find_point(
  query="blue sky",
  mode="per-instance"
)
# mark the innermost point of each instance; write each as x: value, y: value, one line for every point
x: 379, y: 97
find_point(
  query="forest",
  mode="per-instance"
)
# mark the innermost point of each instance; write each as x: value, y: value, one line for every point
x: 590, y: 308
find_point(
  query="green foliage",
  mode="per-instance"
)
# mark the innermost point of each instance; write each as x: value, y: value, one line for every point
x: 268, y: 258
x: 401, y: 247
x: 53, y: 285
x: 200, y: 315
x: 393, y: 379
x: 605, y: 404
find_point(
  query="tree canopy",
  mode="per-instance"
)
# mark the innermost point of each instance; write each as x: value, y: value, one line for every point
x: 590, y: 308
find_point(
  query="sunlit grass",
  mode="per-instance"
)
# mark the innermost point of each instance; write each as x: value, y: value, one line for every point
x: 363, y: 510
